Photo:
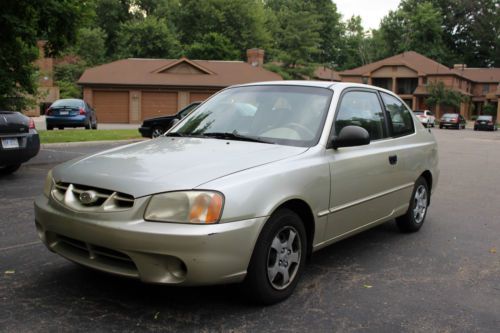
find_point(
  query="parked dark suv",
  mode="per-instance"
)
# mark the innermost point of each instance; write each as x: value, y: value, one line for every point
x: 154, y: 127
x: 70, y: 113
x: 452, y: 120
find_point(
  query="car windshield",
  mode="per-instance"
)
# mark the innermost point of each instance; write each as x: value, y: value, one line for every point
x: 485, y: 118
x: 450, y: 115
x: 287, y: 115
x: 188, y: 109
x: 70, y: 103
x: 418, y: 113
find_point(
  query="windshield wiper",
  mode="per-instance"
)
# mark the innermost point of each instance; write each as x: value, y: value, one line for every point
x: 234, y: 136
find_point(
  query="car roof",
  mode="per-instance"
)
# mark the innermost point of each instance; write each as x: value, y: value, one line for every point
x: 320, y: 84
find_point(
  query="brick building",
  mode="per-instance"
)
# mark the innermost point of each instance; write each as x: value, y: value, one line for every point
x: 408, y: 74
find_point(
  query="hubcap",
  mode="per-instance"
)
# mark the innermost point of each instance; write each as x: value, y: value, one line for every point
x: 420, y: 204
x: 284, y: 257
x: 157, y: 132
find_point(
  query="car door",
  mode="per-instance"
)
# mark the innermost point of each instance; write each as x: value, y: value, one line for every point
x: 363, y: 178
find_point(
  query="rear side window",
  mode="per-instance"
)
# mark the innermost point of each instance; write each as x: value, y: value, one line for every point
x: 400, y: 119
x: 361, y: 108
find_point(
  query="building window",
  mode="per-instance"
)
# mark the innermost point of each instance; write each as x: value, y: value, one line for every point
x: 406, y: 86
x: 365, y: 80
x: 425, y: 80
x: 486, y: 88
x: 385, y: 83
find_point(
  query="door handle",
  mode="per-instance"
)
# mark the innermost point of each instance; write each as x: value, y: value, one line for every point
x: 393, y: 159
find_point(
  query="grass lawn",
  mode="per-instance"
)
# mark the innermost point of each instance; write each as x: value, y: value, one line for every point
x: 78, y: 135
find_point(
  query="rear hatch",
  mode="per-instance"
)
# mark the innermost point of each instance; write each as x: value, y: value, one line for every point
x: 13, y: 123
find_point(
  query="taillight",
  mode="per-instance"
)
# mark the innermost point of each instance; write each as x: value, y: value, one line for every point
x: 31, y: 124
x: 48, y: 112
x: 82, y: 111
x: 455, y: 120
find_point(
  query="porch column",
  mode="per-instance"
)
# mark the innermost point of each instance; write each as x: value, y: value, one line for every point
x: 394, y: 84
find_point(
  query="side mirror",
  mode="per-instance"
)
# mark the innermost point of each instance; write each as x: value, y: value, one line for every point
x: 351, y: 136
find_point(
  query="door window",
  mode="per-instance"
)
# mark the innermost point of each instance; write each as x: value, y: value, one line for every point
x: 400, y: 117
x: 361, y: 108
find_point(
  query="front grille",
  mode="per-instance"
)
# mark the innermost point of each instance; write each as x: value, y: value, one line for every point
x: 95, y: 256
x: 102, y: 200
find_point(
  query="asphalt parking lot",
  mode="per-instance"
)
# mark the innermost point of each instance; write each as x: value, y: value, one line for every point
x: 445, y: 278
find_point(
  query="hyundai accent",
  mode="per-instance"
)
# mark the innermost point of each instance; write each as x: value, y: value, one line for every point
x: 245, y: 187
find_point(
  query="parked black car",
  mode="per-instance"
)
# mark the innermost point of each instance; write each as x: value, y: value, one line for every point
x: 452, y: 120
x: 154, y: 127
x: 70, y: 113
x: 486, y: 123
x: 19, y: 140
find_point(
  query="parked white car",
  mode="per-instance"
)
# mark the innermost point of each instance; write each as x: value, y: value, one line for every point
x: 245, y: 194
x: 426, y: 117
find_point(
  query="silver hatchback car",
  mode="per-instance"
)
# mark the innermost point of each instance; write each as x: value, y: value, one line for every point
x: 245, y: 188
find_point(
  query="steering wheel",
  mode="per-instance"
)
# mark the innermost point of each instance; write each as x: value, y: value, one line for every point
x: 301, y: 129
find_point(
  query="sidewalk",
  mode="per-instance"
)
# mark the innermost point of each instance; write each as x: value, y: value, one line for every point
x: 40, y: 125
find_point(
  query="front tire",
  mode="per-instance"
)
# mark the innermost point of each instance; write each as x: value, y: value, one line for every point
x: 157, y: 131
x: 414, y: 218
x: 278, y: 258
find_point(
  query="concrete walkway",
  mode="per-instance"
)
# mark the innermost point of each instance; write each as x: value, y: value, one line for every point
x: 40, y: 125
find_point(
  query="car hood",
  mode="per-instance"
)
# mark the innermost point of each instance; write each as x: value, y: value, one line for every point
x: 169, y: 164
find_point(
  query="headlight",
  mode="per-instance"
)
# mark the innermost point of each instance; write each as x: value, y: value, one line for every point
x: 201, y: 207
x: 49, y: 181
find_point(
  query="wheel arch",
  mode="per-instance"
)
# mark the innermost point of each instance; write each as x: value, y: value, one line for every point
x: 427, y: 175
x: 304, y: 211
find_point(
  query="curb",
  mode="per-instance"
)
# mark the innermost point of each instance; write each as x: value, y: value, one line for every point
x: 88, y: 143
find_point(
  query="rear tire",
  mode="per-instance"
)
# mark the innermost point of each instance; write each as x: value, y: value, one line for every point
x: 8, y: 169
x: 87, y: 125
x: 278, y: 258
x: 414, y: 218
x: 50, y: 128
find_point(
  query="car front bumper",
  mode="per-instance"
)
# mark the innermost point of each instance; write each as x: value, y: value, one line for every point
x: 484, y: 127
x: 146, y: 132
x: 169, y: 253
x: 29, y: 146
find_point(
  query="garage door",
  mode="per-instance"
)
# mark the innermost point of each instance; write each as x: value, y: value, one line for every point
x: 156, y: 104
x: 199, y: 97
x: 111, y: 106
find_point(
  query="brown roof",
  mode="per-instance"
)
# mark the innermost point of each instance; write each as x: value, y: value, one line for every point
x: 175, y: 72
x: 327, y: 74
x: 486, y: 75
x: 422, y: 90
x: 411, y: 59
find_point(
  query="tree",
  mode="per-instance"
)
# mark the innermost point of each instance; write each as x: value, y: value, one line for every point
x: 355, y: 51
x: 91, y: 45
x: 149, y: 37
x: 330, y: 33
x: 22, y: 23
x: 471, y: 30
x: 297, y: 38
x: 418, y: 28
x: 242, y: 22
x: 109, y: 16
x: 213, y: 46
x: 66, y: 75
x: 440, y: 95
